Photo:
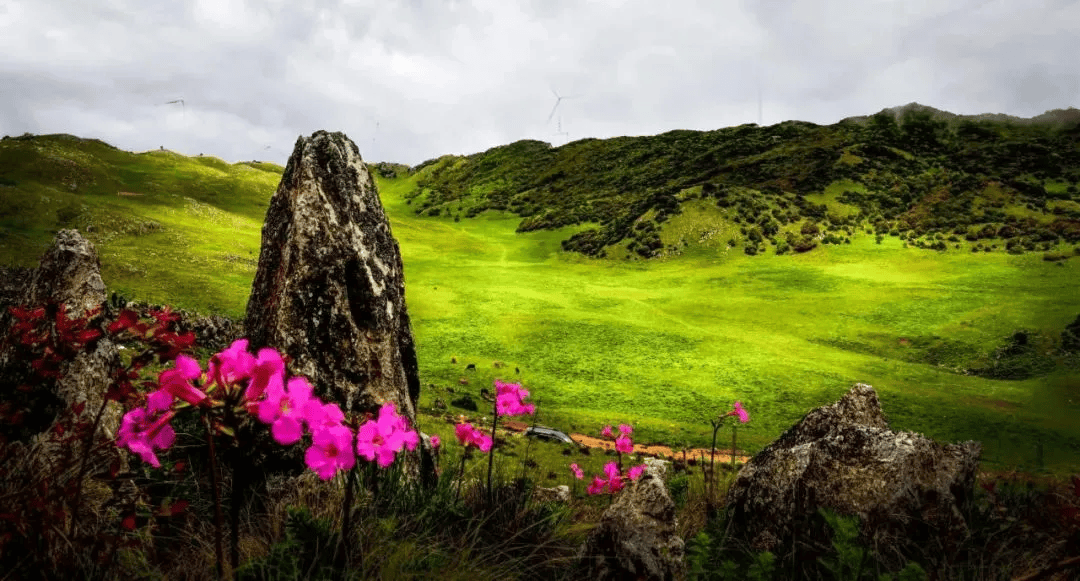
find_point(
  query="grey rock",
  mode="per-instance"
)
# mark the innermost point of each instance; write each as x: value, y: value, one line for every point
x: 657, y: 466
x: 636, y: 537
x: 69, y: 273
x: 844, y: 457
x: 329, y: 290
x: 559, y: 493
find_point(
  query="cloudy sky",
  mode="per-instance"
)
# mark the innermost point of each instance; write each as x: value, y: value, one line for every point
x: 412, y: 80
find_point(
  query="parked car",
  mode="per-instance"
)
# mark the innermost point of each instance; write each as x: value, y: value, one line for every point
x: 550, y: 434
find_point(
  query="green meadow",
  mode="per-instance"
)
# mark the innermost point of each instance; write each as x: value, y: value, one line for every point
x: 663, y: 344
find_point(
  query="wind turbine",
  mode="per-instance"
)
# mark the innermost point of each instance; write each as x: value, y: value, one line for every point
x: 558, y: 99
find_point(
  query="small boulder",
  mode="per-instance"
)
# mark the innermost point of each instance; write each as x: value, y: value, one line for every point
x: 559, y: 493
x: 636, y: 537
x: 844, y: 457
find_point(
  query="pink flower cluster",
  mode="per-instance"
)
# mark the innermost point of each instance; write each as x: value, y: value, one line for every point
x: 470, y: 436
x: 288, y: 407
x: 614, y: 482
x: 740, y: 412
x: 623, y: 443
x: 508, y: 400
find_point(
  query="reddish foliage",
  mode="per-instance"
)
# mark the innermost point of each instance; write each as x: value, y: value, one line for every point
x: 39, y: 522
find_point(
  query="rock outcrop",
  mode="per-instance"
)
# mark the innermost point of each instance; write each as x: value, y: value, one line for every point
x: 329, y: 290
x: 69, y: 273
x: 636, y: 537
x: 844, y: 457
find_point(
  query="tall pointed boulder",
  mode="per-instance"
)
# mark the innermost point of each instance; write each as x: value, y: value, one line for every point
x: 329, y: 290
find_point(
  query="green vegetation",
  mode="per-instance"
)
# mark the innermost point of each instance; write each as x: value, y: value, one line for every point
x: 775, y: 266
x: 661, y: 344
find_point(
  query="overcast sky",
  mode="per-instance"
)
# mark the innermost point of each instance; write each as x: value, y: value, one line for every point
x: 412, y: 80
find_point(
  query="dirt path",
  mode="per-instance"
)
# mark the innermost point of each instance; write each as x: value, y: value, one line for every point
x: 652, y: 450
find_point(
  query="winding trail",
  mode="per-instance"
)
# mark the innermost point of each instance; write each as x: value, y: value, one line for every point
x: 654, y: 450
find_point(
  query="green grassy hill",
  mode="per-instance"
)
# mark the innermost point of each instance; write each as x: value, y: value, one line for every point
x: 928, y: 176
x: 786, y: 266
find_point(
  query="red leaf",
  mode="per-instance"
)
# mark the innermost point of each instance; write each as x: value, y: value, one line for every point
x: 127, y: 319
x: 79, y: 407
x: 88, y: 335
x: 59, y: 429
x: 179, y: 506
x: 179, y: 467
x: 128, y: 522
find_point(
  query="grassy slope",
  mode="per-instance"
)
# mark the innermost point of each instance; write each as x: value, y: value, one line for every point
x: 662, y: 344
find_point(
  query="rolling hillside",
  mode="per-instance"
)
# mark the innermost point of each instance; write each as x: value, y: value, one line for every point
x: 776, y: 266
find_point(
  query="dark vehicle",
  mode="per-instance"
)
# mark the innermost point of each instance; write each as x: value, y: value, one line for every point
x: 550, y: 434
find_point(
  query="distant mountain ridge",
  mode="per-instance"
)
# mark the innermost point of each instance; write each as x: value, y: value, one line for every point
x: 1053, y: 116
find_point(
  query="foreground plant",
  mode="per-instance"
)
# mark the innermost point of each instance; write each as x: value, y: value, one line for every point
x: 616, y: 478
x: 509, y: 401
x: 47, y: 339
x: 239, y: 386
x: 717, y: 423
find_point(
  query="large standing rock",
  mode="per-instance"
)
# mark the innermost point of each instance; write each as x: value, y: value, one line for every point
x: 329, y: 289
x: 844, y: 457
x: 636, y: 537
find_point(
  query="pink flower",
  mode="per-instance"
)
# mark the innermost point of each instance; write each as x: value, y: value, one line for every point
x: 330, y: 451
x: 177, y: 381
x: 470, y: 436
x: 321, y: 416
x: 142, y: 430
x: 232, y: 364
x: 508, y: 400
x: 284, y: 410
x: 626, y: 429
x: 606, y: 432
x: 268, y: 370
x: 597, y: 485
x: 739, y: 411
x: 435, y: 441
x: 385, y: 437
x: 636, y: 472
x: 577, y: 471
x: 614, y: 481
x: 624, y: 444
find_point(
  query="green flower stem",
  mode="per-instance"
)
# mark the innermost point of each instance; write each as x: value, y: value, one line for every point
x: 239, y: 482
x: 734, y: 432
x: 491, y: 453
x: 711, y: 486
x: 347, y: 510
x: 461, y: 473
x: 217, y: 500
